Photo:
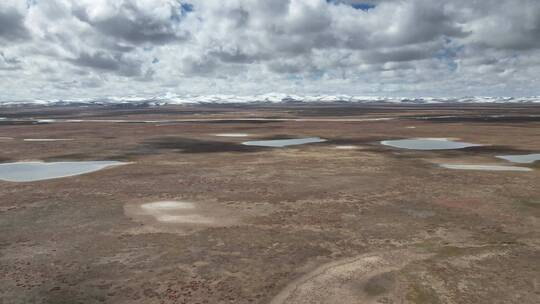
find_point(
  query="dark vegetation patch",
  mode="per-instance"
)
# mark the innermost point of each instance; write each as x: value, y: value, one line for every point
x: 336, y: 111
x: 5, y: 159
x: 531, y: 203
x: 482, y: 150
x: 380, y: 284
x: 43, y: 112
x: 236, y: 121
x: 133, y: 122
x: 144, y: 111
x: 17, y: 123
x: 190, y: 145
x: 105, y: 155
x: 76, y: 157
x: 482, y: 119
x: 219, y: 121
x: 422, y: 294
x: 496, y: 149
x: 280, y: 137
x: 348, y: 109
x: 535, y: 165
x: 133, y: 154
x: 254, y: 129
x: 91, y: 111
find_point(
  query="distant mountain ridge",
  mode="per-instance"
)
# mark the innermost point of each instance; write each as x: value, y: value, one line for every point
x: 174, y: 99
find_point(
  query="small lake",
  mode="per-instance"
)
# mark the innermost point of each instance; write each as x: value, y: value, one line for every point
x: 486, y: 168
x: 36, y: 171
x: 280, y: 143
x: 428, y: 144
x: 521, y: 159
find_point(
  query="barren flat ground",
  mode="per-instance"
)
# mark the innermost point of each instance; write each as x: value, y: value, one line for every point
x: 194, y: 216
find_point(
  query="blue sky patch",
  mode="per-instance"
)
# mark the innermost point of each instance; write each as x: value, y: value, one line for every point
x: 183, y: 10
x: 30, y: 3
x: 449, y: 53
x: 363, y: 6
x: 186, y: 8
x: 359, y: 6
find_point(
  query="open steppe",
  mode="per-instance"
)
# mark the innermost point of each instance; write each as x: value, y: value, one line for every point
x: 199, y: 218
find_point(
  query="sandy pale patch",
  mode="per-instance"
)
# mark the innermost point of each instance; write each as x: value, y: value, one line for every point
x: 346, y: 147
x: 232, y: 134
x: 344, y: 281
x: 167, y: 205
x: 179, y: 217
x: 47, y: 139
x: 186, y: 219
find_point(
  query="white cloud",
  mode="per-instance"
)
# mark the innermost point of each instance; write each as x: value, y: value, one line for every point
x: 71, y: 49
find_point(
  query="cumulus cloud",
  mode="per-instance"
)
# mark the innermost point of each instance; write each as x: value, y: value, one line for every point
x: 9, y: 63
x: 135, y: 22
x: 12, y: 28
x: 63, y: 48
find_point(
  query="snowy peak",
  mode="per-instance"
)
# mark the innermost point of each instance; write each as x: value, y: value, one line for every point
x: 175, y: 99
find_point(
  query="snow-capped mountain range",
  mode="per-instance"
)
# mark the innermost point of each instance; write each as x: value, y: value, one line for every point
x: 175, y: 99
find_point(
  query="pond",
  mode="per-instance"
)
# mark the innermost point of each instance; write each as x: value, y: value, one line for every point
x: 280, y: 143
x: 428, y: 144
x: 36, y: 171
x: 485, y: 167
x: 521, y: 159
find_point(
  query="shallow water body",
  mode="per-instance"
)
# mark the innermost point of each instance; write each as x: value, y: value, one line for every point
x: 428, y: 144
x: 280, y: 143
x: 485, y: 167
x: 521, y: 159
x: 37, y: 171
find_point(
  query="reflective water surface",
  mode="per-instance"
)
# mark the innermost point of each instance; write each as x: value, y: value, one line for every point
x: 521, y: 159
x: 428, y: 144
x: 279, y: 143
x: 486, y: 167
x: 36, y: 171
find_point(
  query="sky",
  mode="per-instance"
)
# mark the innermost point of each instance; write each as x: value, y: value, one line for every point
x: 65, y: 49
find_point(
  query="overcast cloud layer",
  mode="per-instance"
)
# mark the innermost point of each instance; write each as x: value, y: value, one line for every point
x: 54, y: 49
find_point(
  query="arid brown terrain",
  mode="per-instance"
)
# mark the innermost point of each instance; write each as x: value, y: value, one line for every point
x: 199, y: 218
